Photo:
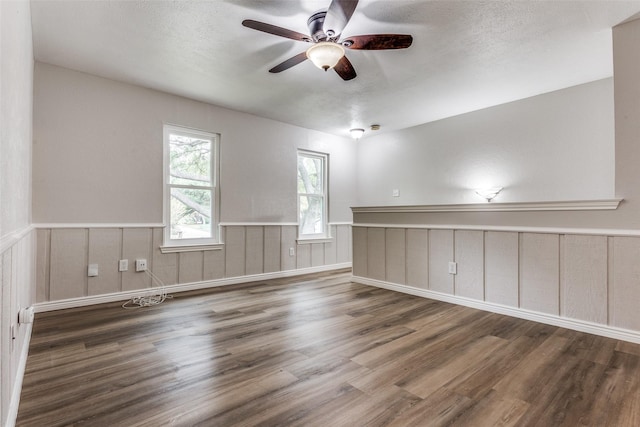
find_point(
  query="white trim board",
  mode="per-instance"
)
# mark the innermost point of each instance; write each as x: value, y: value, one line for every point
x: 100, y: 225
x: 518, y: 229
x: 563, y: 322
x: 183, y: 287
x: 570, y: 205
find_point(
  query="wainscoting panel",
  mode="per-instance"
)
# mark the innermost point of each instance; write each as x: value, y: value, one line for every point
x: 254, y: 250
x: 590, y: 282
x: 584, y: 278
x: 360, y: 255
x: 540, y: 272
x: 68, y: 277
x: 417, y: 257
x: 105, y: 248
x: 43, y: 269
x: 63, y: 255
x: 304, y: 255
x: 501, y: 267
x: 440, y: 254
x: 288, y: 235
x: 235, y: 241
x: 331, y: 248
x: 469, y: 254
x: 396, y: 262
x: 214, y: 264
x: 343, y: 239
x: 191, y: 267
x: 625, y: 292
x: 317, y: 254
x: 376, y: 265
x: 136, y: 244
x: 272, y: 253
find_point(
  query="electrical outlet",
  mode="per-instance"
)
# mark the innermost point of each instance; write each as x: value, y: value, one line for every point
x: 395, y: 192
x: 453, y: 267
x: 141, y: 264
x: 123, y: 265
x: 292, y: 252
x: 92, y: 271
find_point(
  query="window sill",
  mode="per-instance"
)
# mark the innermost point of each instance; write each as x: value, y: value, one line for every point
x: 314, y: 240
x: 191, y: 248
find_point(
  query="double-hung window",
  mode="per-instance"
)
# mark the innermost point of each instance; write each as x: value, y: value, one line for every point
x: 191, y: 191
x: 312, y: 195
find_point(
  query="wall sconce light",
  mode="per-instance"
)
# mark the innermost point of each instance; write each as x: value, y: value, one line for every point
x: 488, y: 193
x: 356, y: 133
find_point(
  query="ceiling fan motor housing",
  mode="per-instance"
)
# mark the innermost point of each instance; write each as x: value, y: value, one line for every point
x: 316, y: 24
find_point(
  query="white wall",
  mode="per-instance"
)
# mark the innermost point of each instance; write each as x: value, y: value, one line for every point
x: 98, y: 154
x: 555, y: 146
x: 16, y: 237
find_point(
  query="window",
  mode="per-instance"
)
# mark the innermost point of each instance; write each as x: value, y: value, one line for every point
x: 191, y: 193
x: 312, y: 195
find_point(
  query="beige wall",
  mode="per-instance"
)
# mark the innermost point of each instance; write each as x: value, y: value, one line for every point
x: 17, y: 242
x: 555, y: 146
x: 98, y: 188
x: 98, y: 154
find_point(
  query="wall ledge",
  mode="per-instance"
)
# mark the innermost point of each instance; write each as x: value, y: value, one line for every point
x: 572, y: 205
x: 182, y: 287
x: 611, y: 232
x: 549, y: 319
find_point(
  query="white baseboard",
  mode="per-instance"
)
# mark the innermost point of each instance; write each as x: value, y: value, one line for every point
x: 12, y: 413
x: 183, y: 287
x: 549, y: 319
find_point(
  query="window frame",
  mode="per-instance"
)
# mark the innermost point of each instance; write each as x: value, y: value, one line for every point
x: 324, y: 157
x: 168, y: 242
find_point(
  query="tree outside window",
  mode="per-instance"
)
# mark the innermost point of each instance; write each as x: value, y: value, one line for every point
x: 312, y: 206
x: 190, y: 192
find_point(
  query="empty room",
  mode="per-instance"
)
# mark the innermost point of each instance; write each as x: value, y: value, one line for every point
x: 319, y: 213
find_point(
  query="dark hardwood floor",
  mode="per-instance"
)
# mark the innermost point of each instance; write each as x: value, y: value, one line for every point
x: 320, y: 351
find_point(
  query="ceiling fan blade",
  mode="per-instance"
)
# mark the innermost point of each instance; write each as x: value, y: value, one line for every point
x: 378, y: 41
x: 345, y: 69
x: 275, y: 30
x: 294, y: 60
x: 338, y: 15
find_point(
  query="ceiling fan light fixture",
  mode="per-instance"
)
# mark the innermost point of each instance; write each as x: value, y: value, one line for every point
x: 325, y: 55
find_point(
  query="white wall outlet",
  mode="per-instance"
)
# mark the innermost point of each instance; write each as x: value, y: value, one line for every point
x: 123, y: 265
x: 92, y: 271
x: 292, y: 252
x: 141, y: 264
x: 453, y: 267
x: 395, y: 192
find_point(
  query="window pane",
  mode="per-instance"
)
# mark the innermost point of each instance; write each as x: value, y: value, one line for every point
x: 189, y: 160
x: 190, y: 214
x: 311, y: 211
x: 310, y: 179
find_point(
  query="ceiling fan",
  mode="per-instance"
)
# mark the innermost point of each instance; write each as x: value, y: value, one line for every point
x: 328, y: 50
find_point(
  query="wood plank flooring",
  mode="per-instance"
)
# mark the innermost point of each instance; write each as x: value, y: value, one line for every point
x: 320, y: 351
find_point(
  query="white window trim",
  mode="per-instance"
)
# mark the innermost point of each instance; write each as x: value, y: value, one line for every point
x: 325, y: 186
x: 169, y: 243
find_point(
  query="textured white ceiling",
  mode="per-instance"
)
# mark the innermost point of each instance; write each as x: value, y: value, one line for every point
x: 466, y: 55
